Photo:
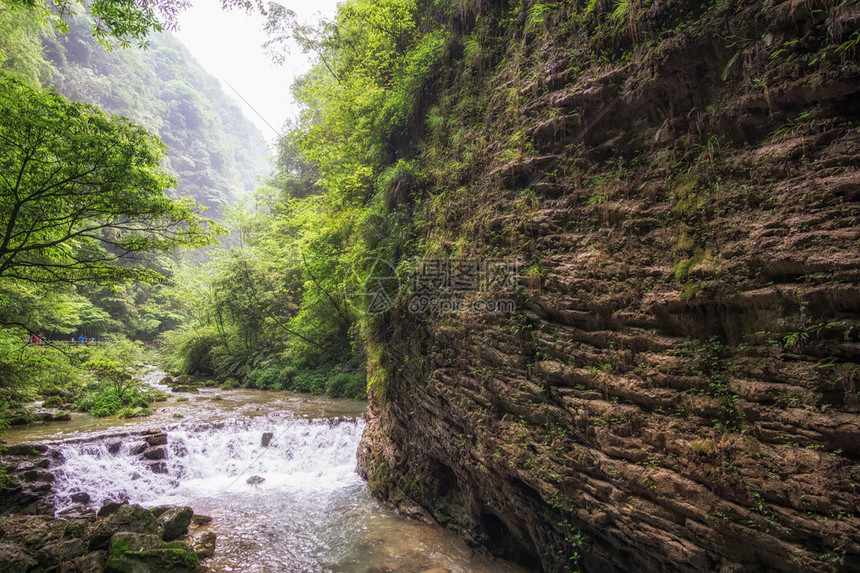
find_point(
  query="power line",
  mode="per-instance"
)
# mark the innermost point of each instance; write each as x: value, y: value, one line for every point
x: 277, y: 133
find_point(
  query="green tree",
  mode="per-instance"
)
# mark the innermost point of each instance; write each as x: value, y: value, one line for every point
x: 82, y: 193
x: 21, y: 47
x: 124, y: 20
x: 279, y: 311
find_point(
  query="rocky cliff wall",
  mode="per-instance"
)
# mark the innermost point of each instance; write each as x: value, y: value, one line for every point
x: 678, y: 388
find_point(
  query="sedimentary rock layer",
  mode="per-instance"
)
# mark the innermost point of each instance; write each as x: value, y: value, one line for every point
x: 678, y: 389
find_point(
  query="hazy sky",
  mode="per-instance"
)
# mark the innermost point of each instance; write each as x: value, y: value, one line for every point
x: 229, y: 45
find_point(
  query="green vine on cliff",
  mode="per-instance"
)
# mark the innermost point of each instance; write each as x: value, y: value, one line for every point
x: 714, y: 366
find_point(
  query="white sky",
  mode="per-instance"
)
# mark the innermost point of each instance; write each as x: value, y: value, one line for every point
x: 228, y: 44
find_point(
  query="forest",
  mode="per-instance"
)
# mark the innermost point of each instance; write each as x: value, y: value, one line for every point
x: 198, y: 148
x: 272, y: 310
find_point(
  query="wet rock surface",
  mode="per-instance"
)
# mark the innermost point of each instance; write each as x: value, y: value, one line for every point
x: 255, y: 480
x: 118, y: 537
x: 266, y: 439
x: 175, y: 521
x: 29, y: 478
x: 122, y: 538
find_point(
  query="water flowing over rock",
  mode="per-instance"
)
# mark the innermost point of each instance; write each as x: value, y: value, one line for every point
x: 207, y: 458
x: 312, y: 512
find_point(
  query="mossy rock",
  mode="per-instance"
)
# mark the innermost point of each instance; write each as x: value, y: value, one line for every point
x: 147, y: 553
x: 54, y: 402
x: 17, y: 418
x: 126, y: 519
x: 26, y: 449
x: 192, y: 389
x: 93, y: 562
x: 14, y: 559
x: 175, y: 521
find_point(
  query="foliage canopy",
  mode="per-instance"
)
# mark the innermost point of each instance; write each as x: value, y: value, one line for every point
x: 126, y: 21
x: 82, y: 192
x: 281, y: 307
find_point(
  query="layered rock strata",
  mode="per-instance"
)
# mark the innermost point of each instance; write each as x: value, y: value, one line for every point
x: 678, y: 388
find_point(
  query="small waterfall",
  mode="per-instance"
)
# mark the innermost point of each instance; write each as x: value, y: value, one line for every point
x: 207, y: 461
x: 306, y: 510
x: 153, y: 377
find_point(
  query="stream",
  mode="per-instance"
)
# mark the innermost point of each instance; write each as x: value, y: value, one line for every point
x: 310, y: 513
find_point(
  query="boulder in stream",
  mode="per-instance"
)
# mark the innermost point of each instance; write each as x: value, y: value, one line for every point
x: 138, y: 449
x: 129, y: 519
x: 148, y: 553
x: 201, y: 520
x: 203, y: 543
x: 155, y: 453
x: 184, y: 388
x: 38, y: 463
x: 40, y: 487
x: 24, y: 417
x: 159, y: 439
x: 26, y: 449
x: 111, y: 507
x: 40, y: 475
x: 159, y: 467
x: 175, y: 521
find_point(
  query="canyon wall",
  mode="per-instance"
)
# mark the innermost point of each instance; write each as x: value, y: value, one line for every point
x: 677, y: 389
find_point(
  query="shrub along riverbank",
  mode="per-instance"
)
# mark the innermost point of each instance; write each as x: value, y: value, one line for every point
x: 86, y: 378
x: 104, y: 380
x: 322, y: 380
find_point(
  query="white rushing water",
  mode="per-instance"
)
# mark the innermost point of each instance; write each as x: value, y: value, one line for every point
x: 310, y: 513
x: 208, y: 461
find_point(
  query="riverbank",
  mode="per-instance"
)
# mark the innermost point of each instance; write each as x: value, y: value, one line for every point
x: 120, y: 537
x: 202, y: 404
x: 275, y: 471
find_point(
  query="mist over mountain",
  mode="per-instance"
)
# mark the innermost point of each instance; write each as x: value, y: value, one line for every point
x: 214, y: 151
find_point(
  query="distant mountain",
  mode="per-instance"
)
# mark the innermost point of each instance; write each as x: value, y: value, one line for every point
x: 215, y: 152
